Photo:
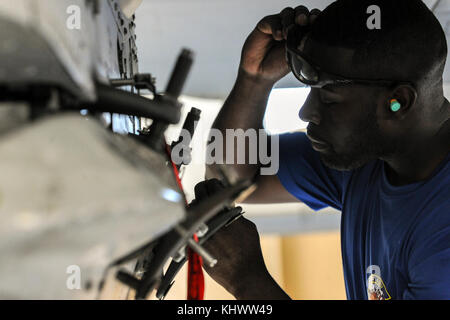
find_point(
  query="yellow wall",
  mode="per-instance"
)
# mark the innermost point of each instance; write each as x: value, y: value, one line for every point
x: 307, y: 266
x: 312, y: 266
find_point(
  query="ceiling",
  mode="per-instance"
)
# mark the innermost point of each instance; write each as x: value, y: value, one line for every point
x: 215, y: 30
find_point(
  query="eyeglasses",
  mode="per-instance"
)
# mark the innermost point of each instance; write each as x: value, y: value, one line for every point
x: 312, y: 75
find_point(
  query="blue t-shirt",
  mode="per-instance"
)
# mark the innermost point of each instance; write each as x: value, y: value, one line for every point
x: 395, y: 240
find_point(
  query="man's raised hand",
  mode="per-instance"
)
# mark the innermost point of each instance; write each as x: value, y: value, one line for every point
x: 263, y: 54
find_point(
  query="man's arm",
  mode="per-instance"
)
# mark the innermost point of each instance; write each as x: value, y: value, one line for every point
x: 244, y: 109
x: 262, y: 64
x: 263, y: 287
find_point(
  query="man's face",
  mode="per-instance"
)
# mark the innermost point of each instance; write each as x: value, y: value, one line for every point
x: 343, y: 123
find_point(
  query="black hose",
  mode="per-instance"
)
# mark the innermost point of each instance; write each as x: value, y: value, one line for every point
x: 118, y: 101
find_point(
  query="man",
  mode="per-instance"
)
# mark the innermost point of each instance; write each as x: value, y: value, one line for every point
x: 376, y: 148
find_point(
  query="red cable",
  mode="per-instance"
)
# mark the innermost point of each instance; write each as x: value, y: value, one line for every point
x: 196, y: 280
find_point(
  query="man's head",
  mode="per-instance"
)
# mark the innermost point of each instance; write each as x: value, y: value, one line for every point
x: 356, y: 121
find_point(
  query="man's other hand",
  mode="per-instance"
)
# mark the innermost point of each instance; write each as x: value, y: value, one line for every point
x: 238, y: 252
x: 240, y: 268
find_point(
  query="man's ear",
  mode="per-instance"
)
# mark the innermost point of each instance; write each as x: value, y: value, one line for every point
x: 406, y: 95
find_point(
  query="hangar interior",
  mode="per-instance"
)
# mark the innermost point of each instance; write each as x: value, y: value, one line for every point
x: 305, y: 242
x: 72, y: 194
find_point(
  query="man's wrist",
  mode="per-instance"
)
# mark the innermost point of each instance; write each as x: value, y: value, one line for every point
x: 258, y: 286
x: 247, y: 79
x: 251, y: 90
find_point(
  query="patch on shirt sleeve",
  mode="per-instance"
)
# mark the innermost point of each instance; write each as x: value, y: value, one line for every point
x: 376, y: 289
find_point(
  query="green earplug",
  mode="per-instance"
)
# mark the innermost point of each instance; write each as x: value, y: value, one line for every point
x: 395, y: 105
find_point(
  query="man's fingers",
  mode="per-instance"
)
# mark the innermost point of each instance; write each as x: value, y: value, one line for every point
x: 301, y: 15
x: 207, y: 188
x: 271, y: 25
x: 287, y: 19
x: 201, y: 191
x: 278, y: 25
x: 313, y: 15
x: 214, y: 186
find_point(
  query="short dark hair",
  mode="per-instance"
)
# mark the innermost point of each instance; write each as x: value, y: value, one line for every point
x: 410, y: 45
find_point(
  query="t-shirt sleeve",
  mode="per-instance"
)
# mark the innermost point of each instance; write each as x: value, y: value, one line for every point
x: 304, y: 175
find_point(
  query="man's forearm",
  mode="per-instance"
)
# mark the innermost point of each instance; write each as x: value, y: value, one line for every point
x: 244, y: 109
x: 245, y: 106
